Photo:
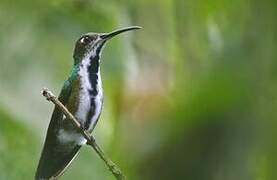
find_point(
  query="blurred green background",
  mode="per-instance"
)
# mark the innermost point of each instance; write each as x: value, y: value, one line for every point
x: 190, y: 96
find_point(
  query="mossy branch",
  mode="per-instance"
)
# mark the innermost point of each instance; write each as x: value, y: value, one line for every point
x: 90, y: 139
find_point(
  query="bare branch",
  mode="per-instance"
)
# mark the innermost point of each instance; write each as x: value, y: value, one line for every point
x: 90, y: 139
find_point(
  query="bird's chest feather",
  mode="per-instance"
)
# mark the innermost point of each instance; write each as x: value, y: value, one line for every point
x: 90, y: 98
x: 85, y: 103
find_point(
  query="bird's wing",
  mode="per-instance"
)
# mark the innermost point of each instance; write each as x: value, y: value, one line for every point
x: 55, y: 156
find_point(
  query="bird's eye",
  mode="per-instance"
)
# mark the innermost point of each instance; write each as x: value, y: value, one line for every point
x: 85, y: 40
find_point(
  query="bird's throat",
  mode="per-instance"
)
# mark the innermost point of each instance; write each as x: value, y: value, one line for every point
x: 94, y: 76
x: 91, y: 91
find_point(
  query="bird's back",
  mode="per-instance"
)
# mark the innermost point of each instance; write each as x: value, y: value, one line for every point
x: 63, y: 141
x: 57, y: 153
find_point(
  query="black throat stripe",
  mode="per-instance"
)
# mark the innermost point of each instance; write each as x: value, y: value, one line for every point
x: 90, y: 113
x: 93, y: 71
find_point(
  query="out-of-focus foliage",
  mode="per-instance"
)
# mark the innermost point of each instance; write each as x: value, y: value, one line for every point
x: 190, y: 96
x: 16, y: 149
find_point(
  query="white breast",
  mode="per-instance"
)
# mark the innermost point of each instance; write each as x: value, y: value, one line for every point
x: 84, y: 105
x: 84, y: 98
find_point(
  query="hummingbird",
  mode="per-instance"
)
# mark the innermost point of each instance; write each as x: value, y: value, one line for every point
x: 82, y: 94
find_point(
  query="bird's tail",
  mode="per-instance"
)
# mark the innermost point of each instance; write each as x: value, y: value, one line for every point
x: 54, y: 160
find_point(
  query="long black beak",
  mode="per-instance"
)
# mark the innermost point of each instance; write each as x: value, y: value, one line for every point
x: 110, y: 35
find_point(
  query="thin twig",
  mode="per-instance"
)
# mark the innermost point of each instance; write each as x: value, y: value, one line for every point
x: 90, y: 139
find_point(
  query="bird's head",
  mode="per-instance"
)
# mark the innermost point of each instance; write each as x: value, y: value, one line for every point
x: 90, y: 44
